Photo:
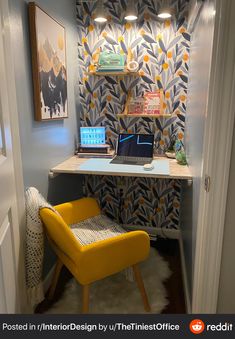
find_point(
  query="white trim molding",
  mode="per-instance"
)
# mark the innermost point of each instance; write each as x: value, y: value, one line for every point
x: 185, y: 276
x: 19, y: 234
x: 169, y: 233
x: 216, y: 155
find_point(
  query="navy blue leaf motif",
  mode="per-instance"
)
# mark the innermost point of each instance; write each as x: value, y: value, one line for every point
x: 98, y: 44
x: 162, y: 46
x: 110, y: 40
x: 169, y: 122
x: 123, y: 87
x: 88, y: 122
x: 158, y: 124
x: 88, y: 87
x: 152, y: 54
x: 176, y: 105
x: 86, y: 9
x: 181, y: 117
x: 111, y: 80
x: 185, y: 44
x: 174, y: 42
x: 172, y: 83
x: 178, y: 65
x: 122, y: 123
x: 184, y: 78
x: 123, y: 47
x: 87, y: 49
x: 147, y: 80
x: 186, y: 36
x: 110, y: 117
x: 159, y: 84
x: 180, y: 23
x: 149, y: 39
x: 135, y: 42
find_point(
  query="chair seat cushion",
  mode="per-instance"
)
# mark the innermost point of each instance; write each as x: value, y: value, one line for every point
x: 95, y: 229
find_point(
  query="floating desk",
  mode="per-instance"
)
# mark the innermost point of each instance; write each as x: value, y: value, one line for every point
x: 97, y: 166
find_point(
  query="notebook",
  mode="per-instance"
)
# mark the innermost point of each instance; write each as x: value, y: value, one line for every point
x: 134, y: 149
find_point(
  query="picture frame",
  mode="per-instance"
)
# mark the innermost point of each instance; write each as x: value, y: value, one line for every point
x: 153, y: 103
x: 49, y: 67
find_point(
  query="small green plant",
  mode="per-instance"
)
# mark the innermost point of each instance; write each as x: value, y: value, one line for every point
x: 171, y: 147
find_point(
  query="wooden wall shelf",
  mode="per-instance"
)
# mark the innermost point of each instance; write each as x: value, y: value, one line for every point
x: 155, y: 116
x: 124, y: 73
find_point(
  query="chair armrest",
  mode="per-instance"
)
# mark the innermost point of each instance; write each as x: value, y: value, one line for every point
x: 112, y: 255
x: 78, y: 210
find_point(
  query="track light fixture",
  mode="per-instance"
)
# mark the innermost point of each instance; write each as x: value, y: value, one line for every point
x: 100, y: 16
x: 131, y: 12
x: 165, y: 11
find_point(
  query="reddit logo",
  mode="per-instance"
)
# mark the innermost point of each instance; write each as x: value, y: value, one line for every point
x: 196, y: 326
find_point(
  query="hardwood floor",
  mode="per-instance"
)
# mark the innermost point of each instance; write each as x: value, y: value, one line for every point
x: 169, y: 250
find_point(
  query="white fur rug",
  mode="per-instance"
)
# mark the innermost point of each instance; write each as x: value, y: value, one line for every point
x: 117, y: 295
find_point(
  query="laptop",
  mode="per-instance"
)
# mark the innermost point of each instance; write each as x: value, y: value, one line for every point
x: 92, y: 136
x: 134, y: 149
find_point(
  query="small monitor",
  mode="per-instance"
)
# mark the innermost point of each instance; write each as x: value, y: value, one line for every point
x: 135, y: 145
x: 92, y: 136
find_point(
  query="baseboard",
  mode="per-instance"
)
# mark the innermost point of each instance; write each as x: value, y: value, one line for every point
x: 185, y: 277
x: 154, y: 231
x: 48, y: 278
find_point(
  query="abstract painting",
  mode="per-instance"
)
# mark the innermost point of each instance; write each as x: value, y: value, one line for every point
x: 48, y: 51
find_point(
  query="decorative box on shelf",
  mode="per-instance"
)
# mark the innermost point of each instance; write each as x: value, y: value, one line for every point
x: 112, y: 64
x: 150, y: 105
x: 153, y: 103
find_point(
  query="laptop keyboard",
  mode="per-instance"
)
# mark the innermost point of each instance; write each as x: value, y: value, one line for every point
x: 131, y: 160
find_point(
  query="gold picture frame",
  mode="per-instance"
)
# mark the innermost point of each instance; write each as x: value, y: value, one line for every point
x: 49, y: 68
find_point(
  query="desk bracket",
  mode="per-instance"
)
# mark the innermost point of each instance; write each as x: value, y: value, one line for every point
x: 52, y: 174
x: 189, y: 182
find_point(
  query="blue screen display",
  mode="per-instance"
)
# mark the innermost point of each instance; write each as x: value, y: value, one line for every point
x: 92, y: 135
x: 135, y: 145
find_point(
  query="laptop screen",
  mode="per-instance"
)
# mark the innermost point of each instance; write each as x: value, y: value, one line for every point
x: 92, y: 135
x: 135, y: 145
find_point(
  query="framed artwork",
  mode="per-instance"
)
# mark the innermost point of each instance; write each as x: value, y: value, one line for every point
x: 153, y: 102
x: 48, y: 49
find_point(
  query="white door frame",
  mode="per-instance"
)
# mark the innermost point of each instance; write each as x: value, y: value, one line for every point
x: 216, y: 162
x: 19, y: 235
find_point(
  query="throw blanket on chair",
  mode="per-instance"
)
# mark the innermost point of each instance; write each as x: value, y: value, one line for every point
x: 34, y: 245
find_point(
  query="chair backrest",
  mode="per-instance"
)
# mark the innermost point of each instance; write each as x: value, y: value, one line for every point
x: 78, y: 210
x: 59, y: 233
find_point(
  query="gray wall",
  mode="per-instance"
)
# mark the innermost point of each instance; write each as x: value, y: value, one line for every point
x: 226, y: 299
x: 45, y: 144
x: 200, y: 60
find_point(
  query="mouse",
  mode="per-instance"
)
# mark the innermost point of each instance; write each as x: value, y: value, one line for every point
x: 148, y: 167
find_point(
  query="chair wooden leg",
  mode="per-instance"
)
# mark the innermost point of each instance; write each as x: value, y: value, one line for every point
x: 85, y: 299
x: 141, y: 287
x: 55, y: 278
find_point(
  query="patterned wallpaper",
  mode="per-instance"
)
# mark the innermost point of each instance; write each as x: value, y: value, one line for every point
x: 162, y: 51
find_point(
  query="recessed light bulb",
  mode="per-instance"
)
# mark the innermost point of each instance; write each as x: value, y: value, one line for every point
x: 131, y: 17
x: 164, y: 15
x: 100, y: 19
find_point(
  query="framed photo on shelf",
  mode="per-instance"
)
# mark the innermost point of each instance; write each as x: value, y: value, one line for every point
x: 153, y: 103
x: 49, y: 68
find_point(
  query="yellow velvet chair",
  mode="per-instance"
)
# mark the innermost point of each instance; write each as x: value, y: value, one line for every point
x: 97, y: 260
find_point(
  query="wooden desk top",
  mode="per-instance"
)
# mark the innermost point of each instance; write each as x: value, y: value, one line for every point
x: 72, y: 166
